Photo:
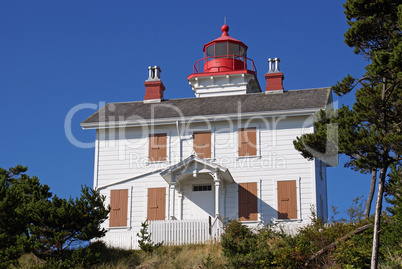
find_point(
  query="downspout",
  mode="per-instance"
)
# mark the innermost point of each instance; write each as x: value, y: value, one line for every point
x: 180, y: 142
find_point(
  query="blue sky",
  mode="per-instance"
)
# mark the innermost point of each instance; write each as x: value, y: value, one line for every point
x: 55, y: 55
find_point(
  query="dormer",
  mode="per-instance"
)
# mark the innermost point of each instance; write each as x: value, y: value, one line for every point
x: 225, y: 69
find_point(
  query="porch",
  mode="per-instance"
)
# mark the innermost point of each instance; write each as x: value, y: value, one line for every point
x: 197, y: 189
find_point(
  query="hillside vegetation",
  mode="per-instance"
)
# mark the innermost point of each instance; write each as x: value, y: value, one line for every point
x: 338, y: 244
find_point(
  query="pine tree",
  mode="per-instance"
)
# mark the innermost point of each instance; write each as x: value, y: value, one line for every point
x: 369, y: 133
x: 19, y: 194
x: 394, y: 192
x: 32, y: 220
x: 59, y: 224
x: 145, y: 241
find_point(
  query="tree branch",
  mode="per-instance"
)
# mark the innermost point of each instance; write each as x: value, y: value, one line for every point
x: 333, y: 244
x: 359, y: 81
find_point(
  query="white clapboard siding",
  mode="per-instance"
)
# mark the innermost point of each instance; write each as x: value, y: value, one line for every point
x: 121, y: 239
x: 125, y: 160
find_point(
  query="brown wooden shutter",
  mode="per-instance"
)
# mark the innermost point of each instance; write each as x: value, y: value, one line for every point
x: 247, y: 141
x: 248, y: 209
x: 157, y: 147
x: 287, y: 200
x: 156, y: 203
x: 202, y: 144
x: 118, y: 208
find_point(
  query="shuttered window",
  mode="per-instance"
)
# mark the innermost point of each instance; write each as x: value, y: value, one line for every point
x: 118, y: 208
x: 247, y: 142
x: 202, y: 144
x: 287, y: 200
x: 156, y: 203
x: 248, y: 209
x: 157, y: 147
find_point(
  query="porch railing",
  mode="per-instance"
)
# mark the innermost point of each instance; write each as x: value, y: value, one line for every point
x: 171, y: 232
x: 179, y: 232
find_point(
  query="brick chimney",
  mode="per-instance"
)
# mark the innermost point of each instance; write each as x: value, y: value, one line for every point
x: 153, y: 85
x: 274, y: 77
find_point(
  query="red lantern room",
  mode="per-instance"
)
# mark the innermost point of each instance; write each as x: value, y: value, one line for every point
x: 224, y: 56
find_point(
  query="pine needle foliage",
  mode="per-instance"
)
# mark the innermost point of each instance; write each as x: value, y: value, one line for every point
x: 33, y: 220
x: 19, y: 195
x: 145, y: 241
x: 369, y: 132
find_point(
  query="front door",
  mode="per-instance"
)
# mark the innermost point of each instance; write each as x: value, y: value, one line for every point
x: 202, y: 201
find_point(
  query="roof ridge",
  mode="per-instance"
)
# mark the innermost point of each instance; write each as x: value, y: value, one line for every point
x: 219, y: 105
x: 226, y: 96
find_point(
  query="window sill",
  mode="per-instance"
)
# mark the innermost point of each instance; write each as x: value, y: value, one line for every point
x: 250, y: 221
x: 286, y: 220
x: 208, y: 159
x: 248, y: 157
x: 118, y: 228
x: 156, y: 162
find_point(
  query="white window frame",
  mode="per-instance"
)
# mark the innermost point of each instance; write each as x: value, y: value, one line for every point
x: 168, y: 148
x: 258, y: 140
x: 298, y: 200
x: 259, y: 196
x: 129, y: 208
x: 167, y: 200
x: 212, y: 130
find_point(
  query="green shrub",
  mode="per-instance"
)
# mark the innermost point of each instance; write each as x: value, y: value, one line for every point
x: 355, y: 252
x: 75, y: 258
x: 244, y: 248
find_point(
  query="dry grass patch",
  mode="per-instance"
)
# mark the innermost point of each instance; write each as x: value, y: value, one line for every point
x: 186, y: 257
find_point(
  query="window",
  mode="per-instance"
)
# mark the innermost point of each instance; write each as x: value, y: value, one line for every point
x: 202, y: 188
x: 156, y: 203
x: 211, y: 51
x: 118, y: 208
x: 248, y: 209
x: 202, y: 144
x: 157, y: 147
x: 234, y: 49
x: 221, y: 49
x: 247, y: 142
x: 287, y: 200
x: 243, y: 51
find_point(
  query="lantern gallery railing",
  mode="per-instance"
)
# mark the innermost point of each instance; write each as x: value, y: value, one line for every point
x: 224, y: 63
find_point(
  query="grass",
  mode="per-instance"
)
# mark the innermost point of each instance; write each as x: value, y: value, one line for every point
x: 166, y: 257
x: 28, y: 261
x: 186, y: 256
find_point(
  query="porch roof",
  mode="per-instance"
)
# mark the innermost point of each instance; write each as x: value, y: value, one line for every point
x: 193, y: 165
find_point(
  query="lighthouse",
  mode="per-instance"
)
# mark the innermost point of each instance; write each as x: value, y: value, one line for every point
x: 224, y: 69
x: 185, y: 164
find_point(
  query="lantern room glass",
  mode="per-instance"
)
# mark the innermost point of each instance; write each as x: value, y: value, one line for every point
x: 221, y: 49
x: 210, y: 52
x: 225, y: 49
x: 234, y: 49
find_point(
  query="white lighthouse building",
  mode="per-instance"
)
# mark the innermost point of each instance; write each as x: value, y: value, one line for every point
x: 187, y: 164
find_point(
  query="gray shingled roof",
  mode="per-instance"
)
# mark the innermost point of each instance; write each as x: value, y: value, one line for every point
x: 219, y: 105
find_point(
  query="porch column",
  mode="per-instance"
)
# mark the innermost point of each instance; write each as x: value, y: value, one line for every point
x: 172, y: 201
x: 217, y: 181
x: 180, y: 196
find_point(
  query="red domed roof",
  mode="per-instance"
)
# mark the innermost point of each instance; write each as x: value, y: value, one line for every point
x: 225, y: 38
